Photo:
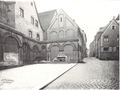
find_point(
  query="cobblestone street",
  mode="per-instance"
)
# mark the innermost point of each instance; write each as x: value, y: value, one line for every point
x: 93, y: 74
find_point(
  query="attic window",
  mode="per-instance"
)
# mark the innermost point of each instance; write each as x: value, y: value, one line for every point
x: 113, y: 27
x: 31, y: 4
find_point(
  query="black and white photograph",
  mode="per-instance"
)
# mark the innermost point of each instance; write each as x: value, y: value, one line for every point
x: 59, y: 44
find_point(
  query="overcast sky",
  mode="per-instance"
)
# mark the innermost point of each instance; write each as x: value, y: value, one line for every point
x: 90, y: 15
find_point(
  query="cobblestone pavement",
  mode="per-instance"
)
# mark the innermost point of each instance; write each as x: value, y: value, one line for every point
x: 94, y: 74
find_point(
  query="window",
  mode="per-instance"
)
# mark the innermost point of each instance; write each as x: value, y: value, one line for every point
x: 117, y: 48
x: 36, y: 23
x: 31, y: 4
x: 30, y: 34
x: 32, y: 20
x: 21, y: 12
x: 43, y: 47
x: 106, y: 48
x: 117, y: 37
x: 38, y: 36
x: 105, y: 39
x: 60, y: 19
x: 113, y: 27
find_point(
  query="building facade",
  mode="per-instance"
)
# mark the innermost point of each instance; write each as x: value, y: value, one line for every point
x: 21, y: 36
x: 66, y: 41
x: 110, y: 41
x: 107, y: 41
x: 92, y: 49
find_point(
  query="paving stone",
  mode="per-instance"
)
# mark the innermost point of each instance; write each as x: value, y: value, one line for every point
x: 94, y: 74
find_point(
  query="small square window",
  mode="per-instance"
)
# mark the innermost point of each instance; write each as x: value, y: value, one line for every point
x: 113, y: 27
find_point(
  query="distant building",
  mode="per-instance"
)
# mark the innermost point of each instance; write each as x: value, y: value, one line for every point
x: 66, y: 41
x: 107, y: 41
x: 92, y: 49
x: 21, y: 36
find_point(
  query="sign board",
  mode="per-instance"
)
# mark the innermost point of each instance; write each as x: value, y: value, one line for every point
x: 10, y: 58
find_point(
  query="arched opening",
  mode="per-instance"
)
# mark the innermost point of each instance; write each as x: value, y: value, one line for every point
x: 36, y: 53
x: 68, y: 51
x: 54, y: 52
x: 61, y: 34
x: 69, y: 33
x: 53, y: 35
x: 26, y: 53
x: 11, y: 50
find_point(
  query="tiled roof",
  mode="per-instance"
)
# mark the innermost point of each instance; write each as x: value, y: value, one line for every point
x: 45, y: 18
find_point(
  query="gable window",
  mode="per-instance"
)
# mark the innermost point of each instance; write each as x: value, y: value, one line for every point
x: 32, y: 20
x: 60, y: 19
x: 113, y: 27
x: 38, y: 37
x: 30, y: 34
x: 36, y: 23
x: 105, y: 39
x: 21, y: 12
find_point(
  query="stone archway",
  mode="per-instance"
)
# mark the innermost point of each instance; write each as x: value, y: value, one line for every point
x: 26, y: 53
x: 54, y: 52
x: 68, y: 51
x: 36, y: 52
x: 11, y: 50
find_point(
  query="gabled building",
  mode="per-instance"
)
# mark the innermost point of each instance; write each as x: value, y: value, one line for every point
x: 65, y: 38
x: 45, y: 20
x: 21, y: 35
x: 97, y: 41
x: 109, y: 41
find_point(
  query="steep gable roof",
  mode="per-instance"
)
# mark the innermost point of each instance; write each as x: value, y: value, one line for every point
x: 106, y: 27
x: 46, y: 18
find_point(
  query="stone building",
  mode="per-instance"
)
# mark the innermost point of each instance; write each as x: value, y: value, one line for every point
x: 107, y: 41
x: 66, y: 42
x: 21, y: 36
x: 97, y: 41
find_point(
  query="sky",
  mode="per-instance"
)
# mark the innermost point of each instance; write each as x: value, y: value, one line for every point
x: 90, y: 15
